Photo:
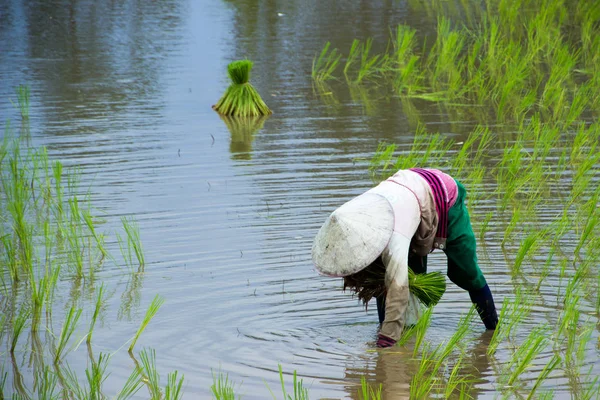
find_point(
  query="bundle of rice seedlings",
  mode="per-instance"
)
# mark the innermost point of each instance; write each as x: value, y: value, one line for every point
x: 241, y: 99
x: 429, y: 287
x: 370, y: 282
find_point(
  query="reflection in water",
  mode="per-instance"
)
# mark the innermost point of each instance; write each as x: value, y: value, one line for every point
x: 394, y: 369
x: 25, y: 131
x: 130, y: 298
x: 36, y: 359
x: 326, y: 95
x: 18, y: 383
x: 364, y: 96
x: 242, y: 131
x: 477, y: 364
x: 95, y: 66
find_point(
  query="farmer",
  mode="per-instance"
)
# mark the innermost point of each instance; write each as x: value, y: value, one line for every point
x: 400, y: 221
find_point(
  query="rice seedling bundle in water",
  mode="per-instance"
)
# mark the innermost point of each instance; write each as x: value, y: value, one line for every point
x: 370, y: 282
x: 241, y: 99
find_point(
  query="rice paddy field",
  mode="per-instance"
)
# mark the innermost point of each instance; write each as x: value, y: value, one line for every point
x: 153, y: 249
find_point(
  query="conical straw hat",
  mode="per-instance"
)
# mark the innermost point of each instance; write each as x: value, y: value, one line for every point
x: 354, y: 235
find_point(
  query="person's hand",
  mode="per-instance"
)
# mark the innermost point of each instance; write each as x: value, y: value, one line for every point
x: 384, y: 341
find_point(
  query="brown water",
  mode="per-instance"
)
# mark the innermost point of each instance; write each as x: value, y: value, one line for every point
x: 124, y: 90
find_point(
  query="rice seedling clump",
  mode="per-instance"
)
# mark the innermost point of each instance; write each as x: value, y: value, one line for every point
x: 241, y: 99
x: 368, y: 283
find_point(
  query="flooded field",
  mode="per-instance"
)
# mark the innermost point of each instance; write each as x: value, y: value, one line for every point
x: 121, y: 95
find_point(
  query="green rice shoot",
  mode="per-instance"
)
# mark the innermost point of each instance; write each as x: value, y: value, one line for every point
x: 241, y: 98
x: 370, y: 282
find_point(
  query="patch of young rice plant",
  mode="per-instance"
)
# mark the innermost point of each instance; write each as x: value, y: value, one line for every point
x: 39, y: 293
x: 97, y: 307
x: 456, y: 340
x: 431, y: 370
x: 369, y: 64
x: 457, y: 382
x: 98, y: 237
x: 222, y: 388
x: 423, y: 380
x: 514, y: 63
x: 515, y: 221
x: 157, y: 302
x: 523, y: 358
x: 485, y: 225
x: 174, y: 388
x: 23, y: 101
x: 148, y: 359
x: 590, y: 226
x: 57, y: 174
x: 568, y: 323
x: 47, y: 384
x: 69, y: 381
x: 512, y: 312
x: 578, y: 339
x: 381, y: 160
x: 11, y: 258
x: 427, y: 149
x: 529, y: 246
x: 299, y: 391
x: 403, y: 43
x: 18, y: 194
x: 325, y: 64
x: 353, y: 56
x: 418, y: 330
x: 37, y: 229
x: 73, y: 233
x: 96, y: 375
x: 445, y: 61
x: 367, y: 392
x: 134, y: 243
x: 543, y: 375
x: 66, y: 332
x: 18, y: 325
x: 132, y: 385
x: 546, y: 269
x: 469, y: 153
x: 404, y: 58
x: 588, y: 388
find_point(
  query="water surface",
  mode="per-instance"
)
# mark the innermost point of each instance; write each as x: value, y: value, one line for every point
x: 123, y: 91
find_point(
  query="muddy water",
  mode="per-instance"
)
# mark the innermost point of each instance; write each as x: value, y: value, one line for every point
x: 123, y: 91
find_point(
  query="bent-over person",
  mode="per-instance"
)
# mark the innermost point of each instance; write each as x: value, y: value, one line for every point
x: 398, y: 223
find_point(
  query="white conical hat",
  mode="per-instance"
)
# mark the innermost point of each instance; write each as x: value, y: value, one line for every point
x: 354, y: 235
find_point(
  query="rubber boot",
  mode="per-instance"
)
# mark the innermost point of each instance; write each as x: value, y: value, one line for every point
x: 484, y: 303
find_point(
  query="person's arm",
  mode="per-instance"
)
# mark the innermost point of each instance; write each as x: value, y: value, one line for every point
x: 395, y: 259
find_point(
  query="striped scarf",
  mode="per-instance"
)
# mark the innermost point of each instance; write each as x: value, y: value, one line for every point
x: 440, y: 196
